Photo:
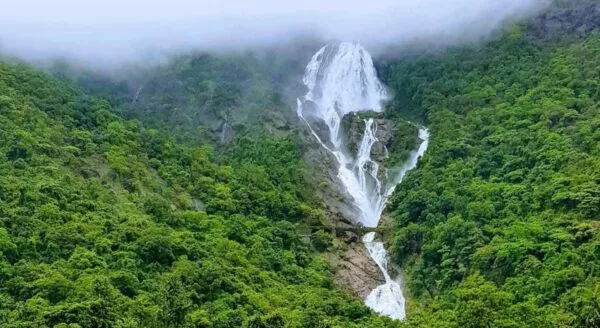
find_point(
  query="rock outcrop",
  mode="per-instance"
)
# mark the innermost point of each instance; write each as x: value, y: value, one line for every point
x: 319, y: 127
x: 336, y: 201
x: 355, y: 270
x: 353, y: 128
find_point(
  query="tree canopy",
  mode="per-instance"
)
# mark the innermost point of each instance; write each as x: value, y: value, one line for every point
x: 498, y: 226
x: 107, y: 223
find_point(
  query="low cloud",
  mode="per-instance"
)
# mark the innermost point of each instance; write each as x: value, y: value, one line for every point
x: 110, y: 31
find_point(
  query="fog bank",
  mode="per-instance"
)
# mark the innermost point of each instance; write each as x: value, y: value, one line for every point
x: 112, y: 31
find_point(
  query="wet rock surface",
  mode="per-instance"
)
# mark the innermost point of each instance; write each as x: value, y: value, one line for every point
x: 384, y: 135
x: 319, y: 127
x: 337, y: 203
x: 356, y: 271
x: 350, y: 237
x: 353, y: 128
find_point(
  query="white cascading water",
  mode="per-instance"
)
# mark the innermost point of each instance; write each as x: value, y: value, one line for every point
x: 341, y: 79
x: 386, y: 299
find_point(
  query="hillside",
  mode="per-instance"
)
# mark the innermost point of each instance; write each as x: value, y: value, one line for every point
x: 189, y: 193
x: 499, y: 226
x: 107, y: 223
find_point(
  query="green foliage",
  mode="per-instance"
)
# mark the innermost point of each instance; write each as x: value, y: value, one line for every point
x: 194, y: 95
x: 106, y: 223
x: 322, y: 240
x: 498, y: 226
x: 404, y: 141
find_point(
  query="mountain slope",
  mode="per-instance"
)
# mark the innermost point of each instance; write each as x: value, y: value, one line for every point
x: 499, y: 225
x: 106, y: 223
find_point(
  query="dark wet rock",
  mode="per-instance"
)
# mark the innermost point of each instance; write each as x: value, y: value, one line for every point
x: 350, y: 237
x: 384, y: 133
x: 352, y: 131
x: 321, y: 129
x: 309, y: 112
x: 338, y: 204
x: 309, y: 109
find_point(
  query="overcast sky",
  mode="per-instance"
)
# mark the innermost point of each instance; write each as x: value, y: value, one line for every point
x: 113, y: 30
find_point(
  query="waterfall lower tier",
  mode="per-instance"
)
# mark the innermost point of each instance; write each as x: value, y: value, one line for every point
x: 386, y: 299
x: 342, y: 79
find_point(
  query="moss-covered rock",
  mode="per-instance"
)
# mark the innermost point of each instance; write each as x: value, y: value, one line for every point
x: 405, y: 138
x: 394, y: 143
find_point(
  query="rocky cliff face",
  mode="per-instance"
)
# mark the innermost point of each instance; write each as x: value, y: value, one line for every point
x: 394, y: 142
x: 336, y: 201
x: 355, y: 270
x: 395, y: 139
x: 353, y: 128
x: 353, y: 266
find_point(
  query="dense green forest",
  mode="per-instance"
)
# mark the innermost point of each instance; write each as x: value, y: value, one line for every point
x: 191, y: 95
x: 108, y: 223
x: 499, y: 225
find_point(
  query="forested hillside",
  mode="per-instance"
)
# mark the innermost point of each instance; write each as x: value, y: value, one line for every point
x: 204, y: 96
x: 499, y: 226
x: 178, y: 195
x: 107, y: 223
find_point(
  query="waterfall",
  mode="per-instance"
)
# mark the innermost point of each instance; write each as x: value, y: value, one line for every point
x: 386, y: 299
x: 137, y: 94
x: 224, y: 131
x: 341, y: 79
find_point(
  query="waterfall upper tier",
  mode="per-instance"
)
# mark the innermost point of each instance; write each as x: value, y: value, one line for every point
x: 340, y: 78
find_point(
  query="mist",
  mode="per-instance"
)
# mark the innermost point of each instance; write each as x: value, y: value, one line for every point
x: 114, y: 31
